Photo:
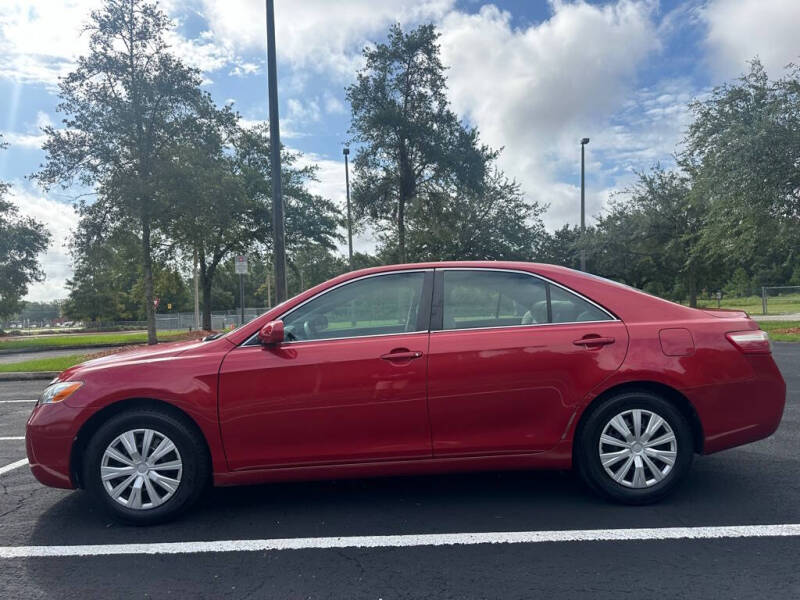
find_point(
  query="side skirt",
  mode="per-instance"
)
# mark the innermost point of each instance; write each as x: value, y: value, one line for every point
x: 559, y: 457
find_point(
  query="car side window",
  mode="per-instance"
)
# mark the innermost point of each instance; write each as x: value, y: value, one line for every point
x: 473, y: 299
x: 566, y: 307
x: 492, y: 299
x: 380, y: 305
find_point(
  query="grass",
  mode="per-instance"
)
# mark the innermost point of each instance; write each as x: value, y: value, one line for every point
x: 782, y: 331
x: 776, y: 305
x: 58, y: 363
x: 89, y: 340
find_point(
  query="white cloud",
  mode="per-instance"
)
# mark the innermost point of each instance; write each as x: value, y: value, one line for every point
x: 40, y: 39
x: 319, y: 35
x: 739, y: 30
x: 32, y: 138
x: 61, y: 220
x: 536, y: 91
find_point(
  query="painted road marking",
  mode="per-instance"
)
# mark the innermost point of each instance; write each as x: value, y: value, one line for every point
x: 404, y: 541
x: 17, y: 401
x: 8, y: 439
x: 14, y: 465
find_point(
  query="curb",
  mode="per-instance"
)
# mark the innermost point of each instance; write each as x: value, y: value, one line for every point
x: 28, y: 375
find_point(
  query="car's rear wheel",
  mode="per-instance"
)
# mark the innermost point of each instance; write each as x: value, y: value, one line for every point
x: 145, y: 466
x: 634, y: 448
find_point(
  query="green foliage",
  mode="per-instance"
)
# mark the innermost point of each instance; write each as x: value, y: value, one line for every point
x: 22, y: 239
x: 412, y: 145
x: 742, y: 152
x: 496, y: 222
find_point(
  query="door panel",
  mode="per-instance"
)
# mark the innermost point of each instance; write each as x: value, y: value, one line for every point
x: 514, y: 389
x: 495, y: 388
x: 348, y: 385
x: 326, y: 401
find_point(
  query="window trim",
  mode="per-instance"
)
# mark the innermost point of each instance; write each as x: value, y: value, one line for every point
x: 424, y: 308
x: 438, y: 301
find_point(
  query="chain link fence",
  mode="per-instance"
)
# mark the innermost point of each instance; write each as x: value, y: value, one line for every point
x: 780, y: 299
x: 220, y: 319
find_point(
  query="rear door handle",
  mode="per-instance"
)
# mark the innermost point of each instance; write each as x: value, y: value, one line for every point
x: 402, y: 355
x: 594, y: 341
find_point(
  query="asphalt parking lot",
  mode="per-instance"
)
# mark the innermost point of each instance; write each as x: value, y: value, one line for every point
x: 753, y: 485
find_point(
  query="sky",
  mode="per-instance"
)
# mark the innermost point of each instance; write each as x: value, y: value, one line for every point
x: 533, y: 76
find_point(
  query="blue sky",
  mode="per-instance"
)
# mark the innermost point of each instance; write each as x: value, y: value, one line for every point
x: 533, y: 76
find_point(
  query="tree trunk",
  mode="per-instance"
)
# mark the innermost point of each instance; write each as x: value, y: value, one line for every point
x: 692, y: 284
x: 206, y: 285
x: 401, y: 228
x: 206, y: 280
x: 147, y: 260
x: 407, y: 191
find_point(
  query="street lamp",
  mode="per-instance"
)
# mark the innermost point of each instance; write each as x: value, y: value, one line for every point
x: 584, y: 141
x: 278, y: 233
x: 346, y: 152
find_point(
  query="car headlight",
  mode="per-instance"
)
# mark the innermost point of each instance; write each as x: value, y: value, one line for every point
x: 59, y: 391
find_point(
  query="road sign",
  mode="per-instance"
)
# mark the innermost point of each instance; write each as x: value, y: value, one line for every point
x: 241, y: 264
x: 169, y: 305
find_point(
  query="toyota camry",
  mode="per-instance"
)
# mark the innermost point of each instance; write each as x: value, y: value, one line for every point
x: 415, y: 369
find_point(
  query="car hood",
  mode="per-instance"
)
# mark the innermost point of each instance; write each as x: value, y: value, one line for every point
x: 139, y: 354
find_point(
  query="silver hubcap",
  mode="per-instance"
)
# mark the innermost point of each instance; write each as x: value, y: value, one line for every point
x: 141, y: 469
x: 638, y: 448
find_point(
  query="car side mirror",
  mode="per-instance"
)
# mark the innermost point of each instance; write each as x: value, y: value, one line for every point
x: 271, y: 334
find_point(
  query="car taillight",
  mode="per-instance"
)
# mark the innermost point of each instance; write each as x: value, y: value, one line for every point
x: 751, y: 341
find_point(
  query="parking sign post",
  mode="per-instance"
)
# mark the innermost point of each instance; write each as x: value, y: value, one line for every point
x: 240, y: 267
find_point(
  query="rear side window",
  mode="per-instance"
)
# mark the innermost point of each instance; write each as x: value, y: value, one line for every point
x: 566, y: 307
x: 474, y: 299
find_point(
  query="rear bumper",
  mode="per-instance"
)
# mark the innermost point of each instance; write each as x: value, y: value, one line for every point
x: 738, y: 413
x: 49, y: 436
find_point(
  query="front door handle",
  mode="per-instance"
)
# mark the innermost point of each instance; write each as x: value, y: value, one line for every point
x: 594, y: 341
x: 402, y: 355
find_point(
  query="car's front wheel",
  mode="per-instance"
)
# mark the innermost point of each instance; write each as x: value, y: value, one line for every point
x: 145, y: 466
x: 635, y: 448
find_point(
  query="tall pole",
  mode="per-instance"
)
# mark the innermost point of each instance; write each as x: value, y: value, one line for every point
x: 584, y: 141
x: 196, y: 295
x: 241, y: 296
x: 346, y: 151
x: 278, y: 241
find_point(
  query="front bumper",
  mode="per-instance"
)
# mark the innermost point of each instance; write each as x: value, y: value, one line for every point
x: 49, y: 437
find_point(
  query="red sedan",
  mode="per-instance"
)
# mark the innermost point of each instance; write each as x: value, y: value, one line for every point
x: 411, y: 369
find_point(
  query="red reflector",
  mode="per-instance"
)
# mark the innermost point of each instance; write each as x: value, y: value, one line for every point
x: 753, y: 341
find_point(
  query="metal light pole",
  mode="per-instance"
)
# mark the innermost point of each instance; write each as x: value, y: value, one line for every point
x: 346, y: 152
x: 584, y: 141
x: 278, y: 240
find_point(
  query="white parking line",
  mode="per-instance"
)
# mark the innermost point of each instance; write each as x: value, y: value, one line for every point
x: 18, y: 401
x: 14, y: 465
x: 12, y: 438
x: 405, y: 541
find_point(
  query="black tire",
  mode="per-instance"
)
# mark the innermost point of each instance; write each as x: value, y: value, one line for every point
x: 587, y: 448
x: 192, y: 451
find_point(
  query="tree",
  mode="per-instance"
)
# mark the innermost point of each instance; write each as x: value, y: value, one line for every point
x: 411, y: 141
x: 742, y: 151
x: 496, y: 222
x: 124, y: 103
x: 221, y: 186
x: 22, y: 239
x: 562, y: 247
x: 652, y: 237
